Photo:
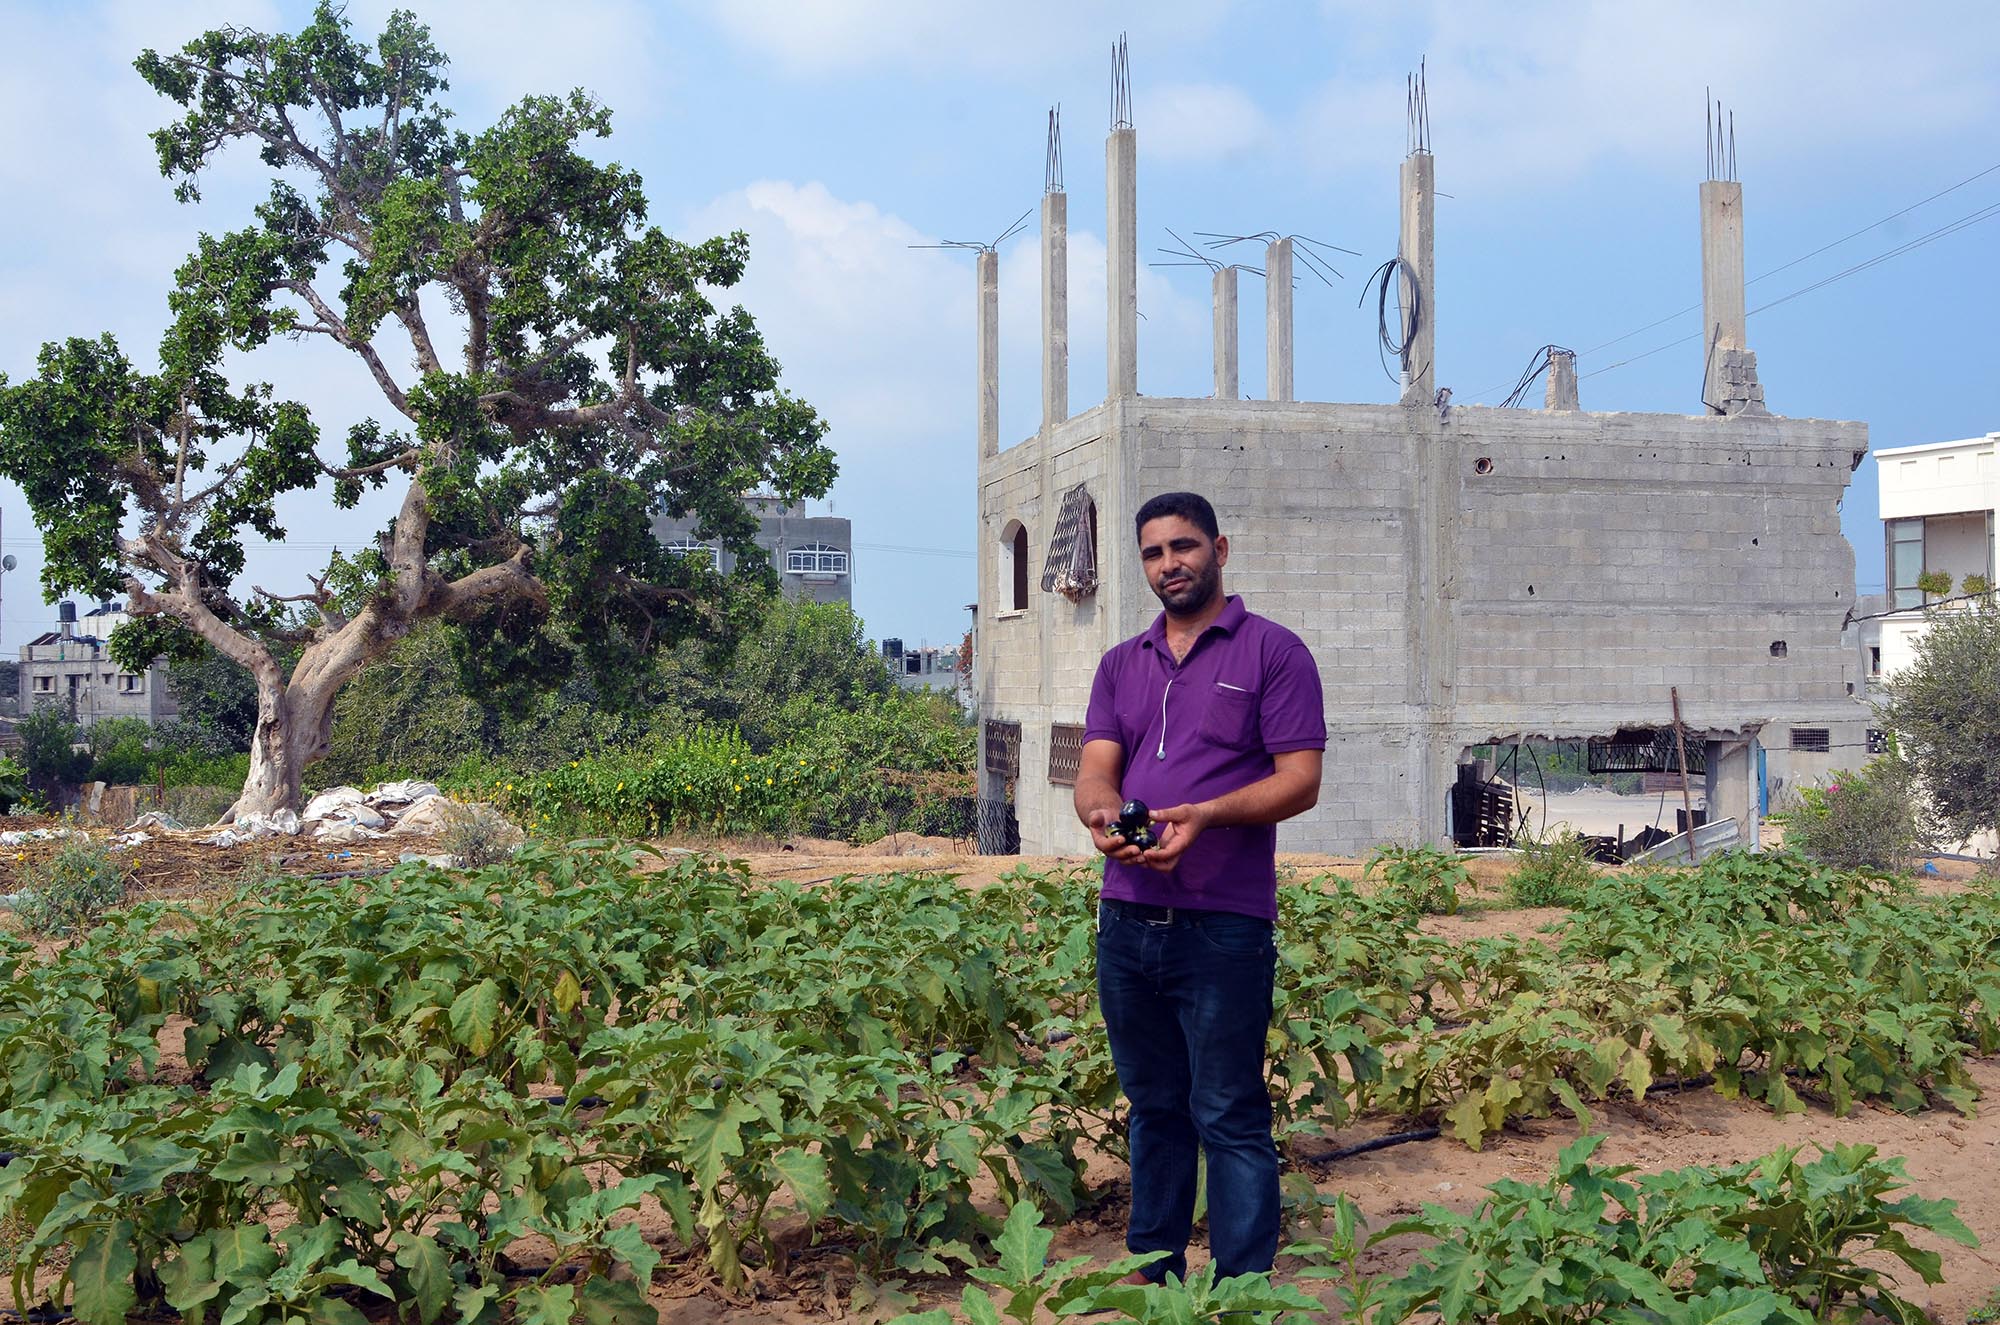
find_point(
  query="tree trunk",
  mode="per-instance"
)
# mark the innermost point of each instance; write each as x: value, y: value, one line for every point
x: 294, y: 724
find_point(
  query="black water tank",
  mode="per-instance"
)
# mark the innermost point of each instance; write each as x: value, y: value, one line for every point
x: 66, y: 612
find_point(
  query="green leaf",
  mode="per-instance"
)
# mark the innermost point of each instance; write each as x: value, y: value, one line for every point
x: 101, y: 1273
x: 551, y: 1304
x: 979, y: 1306
x: 190, y: 1279
x: 614, y: 1302
x: 256, y: 1160
x: 1023, y: 1243
x: 711, y: 1137
x: 629, y: 1246
x: 243, y: 1254
x: 474, y: 1015
x: 427, y: 1272
x: 336, y: 1311
x: 806, y: 1174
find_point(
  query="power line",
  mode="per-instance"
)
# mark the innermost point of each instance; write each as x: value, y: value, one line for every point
x: 1951, y: 227
x: 1985, y: 213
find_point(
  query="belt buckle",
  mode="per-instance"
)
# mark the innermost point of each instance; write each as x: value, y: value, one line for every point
x: 1165, y: 921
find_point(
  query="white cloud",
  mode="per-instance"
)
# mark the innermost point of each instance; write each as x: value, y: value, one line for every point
x: 1202, y: 122
x: 503, y: 50
x: 822, y: 36
x: 1534, y: 94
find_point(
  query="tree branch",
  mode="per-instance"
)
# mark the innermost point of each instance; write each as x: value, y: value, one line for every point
x: 332, y: 324
x: 401, y: 459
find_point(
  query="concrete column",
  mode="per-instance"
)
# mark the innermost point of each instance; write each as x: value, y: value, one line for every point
x: 1121, y: 227
x: 1227, y: 386
x: 1420, y: 284
x: 1278, y: 320
x: 989, y: 353
x: 1722, y: 321
x: 1562, y: 380
x: 1732, y: 787
x: 1055, y: 309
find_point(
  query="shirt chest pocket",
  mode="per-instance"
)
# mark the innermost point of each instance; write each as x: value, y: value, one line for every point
x: 1229, y: 717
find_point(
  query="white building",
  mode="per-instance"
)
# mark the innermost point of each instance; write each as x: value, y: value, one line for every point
x: 1938, y: 504
x: 71, y: 666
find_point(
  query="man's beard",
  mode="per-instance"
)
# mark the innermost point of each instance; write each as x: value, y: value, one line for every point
x: 1196, y: 594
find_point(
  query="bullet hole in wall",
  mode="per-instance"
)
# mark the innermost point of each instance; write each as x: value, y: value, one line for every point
x: 1778, y: 649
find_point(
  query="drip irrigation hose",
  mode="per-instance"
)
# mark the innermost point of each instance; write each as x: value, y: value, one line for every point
x: 1365, y: 1147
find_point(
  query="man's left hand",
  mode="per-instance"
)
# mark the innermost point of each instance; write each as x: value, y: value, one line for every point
x: 1180, y: 826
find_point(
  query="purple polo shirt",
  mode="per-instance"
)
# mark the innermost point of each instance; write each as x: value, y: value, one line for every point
x: 1199, y: 729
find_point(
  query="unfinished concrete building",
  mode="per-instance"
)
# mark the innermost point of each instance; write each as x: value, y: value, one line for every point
x: 1464, y: 575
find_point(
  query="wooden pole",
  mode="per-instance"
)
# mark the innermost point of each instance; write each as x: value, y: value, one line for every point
x: 1680, y: 746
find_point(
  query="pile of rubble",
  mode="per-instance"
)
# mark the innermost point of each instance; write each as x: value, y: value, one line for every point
x: 343, y: 815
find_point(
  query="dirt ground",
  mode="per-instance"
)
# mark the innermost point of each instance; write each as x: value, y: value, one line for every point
x: 1946, y: 1154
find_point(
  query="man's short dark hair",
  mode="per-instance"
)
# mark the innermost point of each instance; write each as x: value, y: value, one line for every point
x: 1190, y: 506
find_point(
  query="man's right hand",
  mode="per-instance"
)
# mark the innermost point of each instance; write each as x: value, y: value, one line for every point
x: 1113, y: 846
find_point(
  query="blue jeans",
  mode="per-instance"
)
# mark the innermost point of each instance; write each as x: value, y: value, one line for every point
x: 1187, y: 1000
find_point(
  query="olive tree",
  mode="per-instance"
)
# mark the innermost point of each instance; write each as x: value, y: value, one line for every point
x: 1945, y: 711
x: 553, y: 372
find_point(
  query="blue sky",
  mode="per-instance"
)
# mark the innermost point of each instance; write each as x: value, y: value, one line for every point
x: 1568, y: 140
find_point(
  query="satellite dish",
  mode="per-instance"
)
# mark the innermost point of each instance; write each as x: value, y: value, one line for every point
x: 8, y: 562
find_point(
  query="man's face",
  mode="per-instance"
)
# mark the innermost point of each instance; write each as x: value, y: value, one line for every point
x: 1183, y: 565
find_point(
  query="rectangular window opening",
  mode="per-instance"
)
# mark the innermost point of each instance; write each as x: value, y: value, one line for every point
x: 1815, y: 740
x: 1065, y: 753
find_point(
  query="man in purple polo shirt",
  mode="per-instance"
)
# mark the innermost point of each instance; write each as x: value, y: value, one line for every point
x: 1213, y: 718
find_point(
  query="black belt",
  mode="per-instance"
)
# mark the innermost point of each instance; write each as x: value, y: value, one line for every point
x: 1146, y: 912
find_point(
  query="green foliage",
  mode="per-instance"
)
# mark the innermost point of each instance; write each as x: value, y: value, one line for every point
x: 1770, y: 1240
x: 364, y: 1057
x: 1934, y: 583
x: 797, y: 670
x: 586, y: 380
x: 70, y: 890
x: 899, y: 763
x: 1945, y: 711
x: 1862, y: 819
x: 13, y: 783
x: 879, y: 1060
x: 49, y: 738
x: 214, y: 698
x: 120, y: 750
x: 1978, y: 586
x: 1422, y: 880
x: 1553, y: 871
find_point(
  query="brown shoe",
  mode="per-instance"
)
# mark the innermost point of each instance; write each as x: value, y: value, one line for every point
x: 1136, y: 1278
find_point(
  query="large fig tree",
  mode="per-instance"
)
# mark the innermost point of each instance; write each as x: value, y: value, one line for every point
x: 553, y: 372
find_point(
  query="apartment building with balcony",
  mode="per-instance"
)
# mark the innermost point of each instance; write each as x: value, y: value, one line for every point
x: 1940, y: 502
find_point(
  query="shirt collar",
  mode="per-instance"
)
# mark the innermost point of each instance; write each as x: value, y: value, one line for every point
x: 1233, y: 615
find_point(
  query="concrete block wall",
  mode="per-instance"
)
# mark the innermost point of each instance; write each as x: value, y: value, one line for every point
x: 1664, y: 551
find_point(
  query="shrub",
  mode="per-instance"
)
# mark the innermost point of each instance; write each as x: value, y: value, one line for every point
x: 1554, y: 871
x: 121, y: 751
x: 1419, y: 880
x: 70, y: 890
x: 1865, y: 818
x: 13, y: 784
x: 476, y: 835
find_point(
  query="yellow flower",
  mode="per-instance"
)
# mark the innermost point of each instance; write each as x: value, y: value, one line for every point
x: 688, y: 787
x: 739, y: 786
x: 767, y: 782
x: 510, y: 786
x: 619, y: 787
x: 572, y: 763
